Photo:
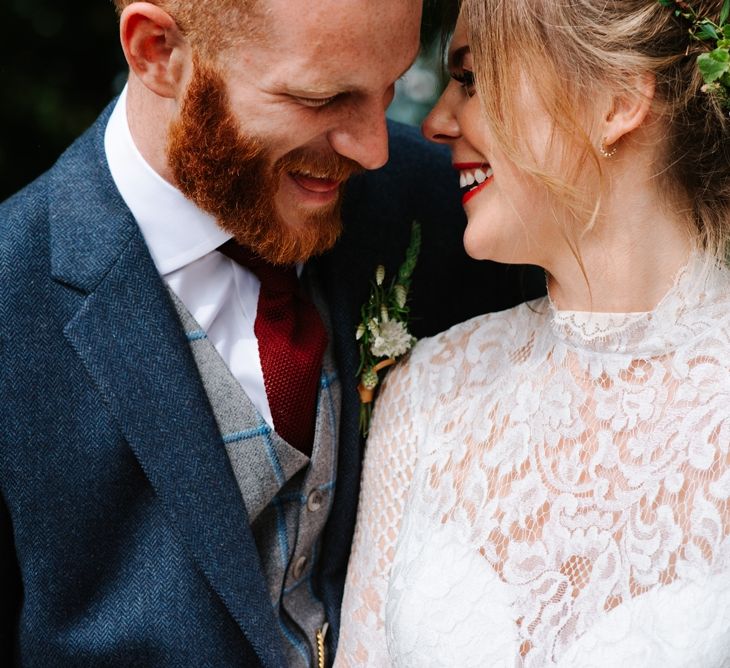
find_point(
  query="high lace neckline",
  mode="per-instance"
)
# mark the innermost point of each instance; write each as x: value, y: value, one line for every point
x: 693, y: 306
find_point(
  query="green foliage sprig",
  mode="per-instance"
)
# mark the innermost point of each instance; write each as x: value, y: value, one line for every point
x: 715, y: 64
x: 382, y: 334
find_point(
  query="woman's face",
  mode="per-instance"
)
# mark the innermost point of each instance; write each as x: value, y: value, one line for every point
x: 509, y: 212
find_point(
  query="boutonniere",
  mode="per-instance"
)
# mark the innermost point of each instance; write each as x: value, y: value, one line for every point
x: 383, y: 334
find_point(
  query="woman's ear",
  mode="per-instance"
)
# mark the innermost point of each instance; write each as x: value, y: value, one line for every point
x: 154, y: 47
x: 628, y: 109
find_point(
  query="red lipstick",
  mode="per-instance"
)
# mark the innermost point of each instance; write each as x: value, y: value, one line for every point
x: 461, y: 166
x: 475, y: 191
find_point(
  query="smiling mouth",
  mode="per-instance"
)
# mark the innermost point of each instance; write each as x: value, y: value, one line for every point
x: 473, y: 178
x: 315, y: 184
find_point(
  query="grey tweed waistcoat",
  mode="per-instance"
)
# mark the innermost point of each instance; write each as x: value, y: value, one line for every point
x: 287, y: 495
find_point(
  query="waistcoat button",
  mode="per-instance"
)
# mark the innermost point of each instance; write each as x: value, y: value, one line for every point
x: 299, y: 566
x: 314, y: 501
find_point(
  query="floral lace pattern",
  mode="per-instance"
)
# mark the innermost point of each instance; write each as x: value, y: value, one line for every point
x: 551, y: 489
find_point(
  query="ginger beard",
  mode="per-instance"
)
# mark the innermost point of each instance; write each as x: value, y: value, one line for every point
x: 231, y: 176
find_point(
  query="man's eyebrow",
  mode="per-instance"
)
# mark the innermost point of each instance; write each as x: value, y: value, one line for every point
x: 456, y: 59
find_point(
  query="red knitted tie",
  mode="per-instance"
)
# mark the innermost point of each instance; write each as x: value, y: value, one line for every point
x: 292, y: 341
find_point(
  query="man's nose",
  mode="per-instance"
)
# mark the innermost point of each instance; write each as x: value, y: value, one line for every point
x: 441, y: 126
x: 363, y: 136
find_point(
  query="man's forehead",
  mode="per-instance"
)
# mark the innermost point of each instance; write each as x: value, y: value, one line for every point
x: 332, y: 45
x: 336, y: 10
x: 357, y: 27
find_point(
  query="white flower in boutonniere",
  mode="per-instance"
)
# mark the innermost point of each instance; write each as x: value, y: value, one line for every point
x: 392, y: 340
x: 383, y: 334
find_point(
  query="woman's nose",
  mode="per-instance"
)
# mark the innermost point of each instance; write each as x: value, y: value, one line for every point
x: 441, y: 125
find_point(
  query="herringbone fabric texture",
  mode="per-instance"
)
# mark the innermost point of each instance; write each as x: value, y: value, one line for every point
x: 292, y: 340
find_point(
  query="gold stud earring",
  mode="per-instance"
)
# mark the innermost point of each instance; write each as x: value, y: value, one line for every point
x: 605, y: 151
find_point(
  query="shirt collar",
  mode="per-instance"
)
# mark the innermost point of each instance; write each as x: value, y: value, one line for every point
x: 177, y: 232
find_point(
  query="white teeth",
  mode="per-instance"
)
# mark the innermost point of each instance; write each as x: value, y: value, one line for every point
x: 478, y: 176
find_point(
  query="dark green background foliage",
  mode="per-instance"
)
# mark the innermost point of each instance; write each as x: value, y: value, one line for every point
x: 60, y: 64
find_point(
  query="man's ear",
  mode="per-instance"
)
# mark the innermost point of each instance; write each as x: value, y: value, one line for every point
x: 628, y: 109
x: 154, y: 47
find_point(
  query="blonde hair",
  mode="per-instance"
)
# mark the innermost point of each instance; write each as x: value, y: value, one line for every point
x: 210, y: 25
x: 567, y: 51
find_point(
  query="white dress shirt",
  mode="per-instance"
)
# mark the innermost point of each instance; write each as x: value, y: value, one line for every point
x: 220, y: 294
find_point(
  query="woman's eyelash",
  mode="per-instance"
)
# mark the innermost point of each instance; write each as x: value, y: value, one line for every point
x: 464, y: 78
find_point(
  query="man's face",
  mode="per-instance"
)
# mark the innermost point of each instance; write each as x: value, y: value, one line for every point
x: 268, y: 134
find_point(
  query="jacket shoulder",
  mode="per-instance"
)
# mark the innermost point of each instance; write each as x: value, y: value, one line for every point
x: 23, y: 223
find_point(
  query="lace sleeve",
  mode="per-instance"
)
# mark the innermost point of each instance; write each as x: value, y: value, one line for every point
x: 387, y: 473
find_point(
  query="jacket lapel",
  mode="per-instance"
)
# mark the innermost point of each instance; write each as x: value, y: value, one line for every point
x: 129, y: 338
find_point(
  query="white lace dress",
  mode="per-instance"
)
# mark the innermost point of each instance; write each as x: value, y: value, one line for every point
x: 545, y: 488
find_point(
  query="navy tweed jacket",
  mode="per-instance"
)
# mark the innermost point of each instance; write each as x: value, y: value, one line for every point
x: 123, y: 537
